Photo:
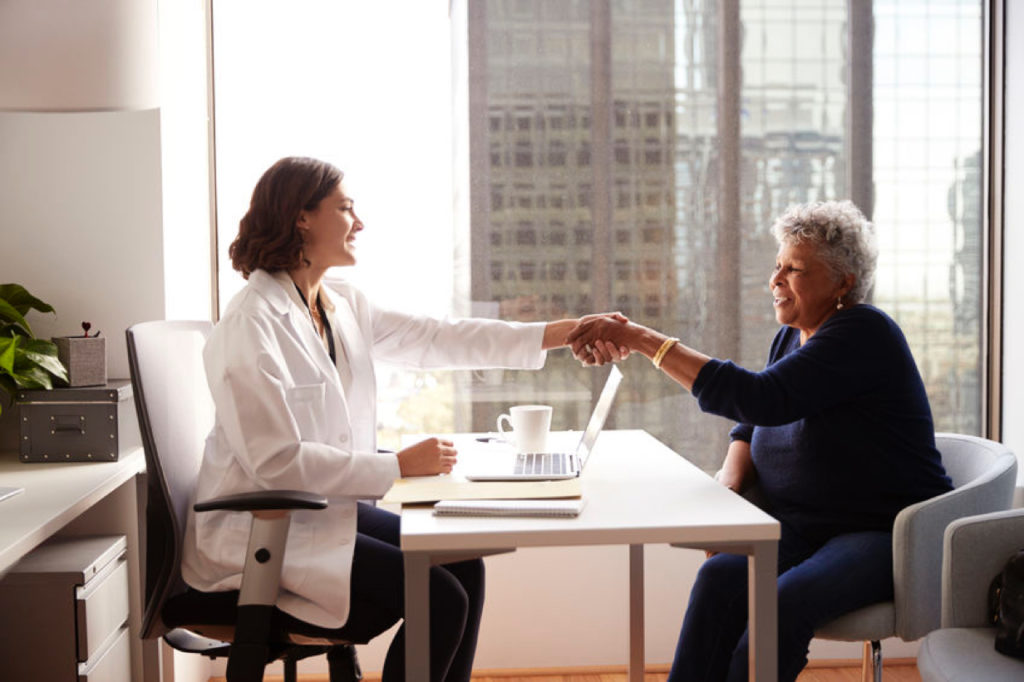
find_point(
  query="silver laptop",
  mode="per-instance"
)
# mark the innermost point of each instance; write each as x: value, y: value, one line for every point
x: 550, y: 466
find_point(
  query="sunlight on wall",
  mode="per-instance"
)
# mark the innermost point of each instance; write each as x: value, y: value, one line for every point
x: 363, y: 85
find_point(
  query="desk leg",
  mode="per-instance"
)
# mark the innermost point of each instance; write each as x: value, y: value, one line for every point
x: 762, y: 572
x: 636, y: 613
x: 417, y: 617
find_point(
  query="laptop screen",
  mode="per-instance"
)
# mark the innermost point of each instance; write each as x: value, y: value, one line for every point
x: 599, y: 415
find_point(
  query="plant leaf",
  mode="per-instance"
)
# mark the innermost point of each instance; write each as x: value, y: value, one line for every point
x: 47, y: 362
x: 9, y: 313
x: 21, y: 300
x: 32, y: 377
x: 39, y: 346
x: 8, y: 350
x: 40, y: 353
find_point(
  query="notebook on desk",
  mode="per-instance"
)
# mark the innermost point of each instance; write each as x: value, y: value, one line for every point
x: 550, y: 466
x: 540, y: 508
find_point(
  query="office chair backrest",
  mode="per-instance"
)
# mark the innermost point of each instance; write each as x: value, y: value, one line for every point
x: 175, y: 413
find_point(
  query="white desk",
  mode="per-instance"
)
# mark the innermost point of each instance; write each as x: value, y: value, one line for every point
x: 89, y: 498
x: 638, y: 492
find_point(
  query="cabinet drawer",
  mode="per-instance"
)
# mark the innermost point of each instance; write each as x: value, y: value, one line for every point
x: 112, y: 665
x: 101, y: 607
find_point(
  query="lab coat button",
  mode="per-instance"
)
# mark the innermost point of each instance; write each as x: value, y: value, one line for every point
x: 343, y: 438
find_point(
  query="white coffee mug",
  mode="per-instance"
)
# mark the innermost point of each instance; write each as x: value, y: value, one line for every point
x: 530, y: 427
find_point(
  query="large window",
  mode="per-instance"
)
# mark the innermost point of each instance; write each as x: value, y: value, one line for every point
x: 530, y: 159
x: 673, y: 157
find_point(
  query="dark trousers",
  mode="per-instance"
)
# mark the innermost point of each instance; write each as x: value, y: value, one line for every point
x: 816, y: 585
x: 378, y: 600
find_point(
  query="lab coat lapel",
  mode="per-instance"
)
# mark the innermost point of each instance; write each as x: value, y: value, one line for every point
x: 355, y: 345
x: 297, y: 321
x: 360, y: 364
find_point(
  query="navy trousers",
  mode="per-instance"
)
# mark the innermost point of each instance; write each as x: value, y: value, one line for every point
x: 817, y: 583
x: 378, y: 600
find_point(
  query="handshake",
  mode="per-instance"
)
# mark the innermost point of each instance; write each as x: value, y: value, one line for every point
x: 603, y: 338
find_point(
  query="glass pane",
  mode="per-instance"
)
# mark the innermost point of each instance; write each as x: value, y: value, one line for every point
x: 292, y: 79
x: 661, y: 264
x: 536, y: 240
x: 927, y: 168
x: 562, y: 221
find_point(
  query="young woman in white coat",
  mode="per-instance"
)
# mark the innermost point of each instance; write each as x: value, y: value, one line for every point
x: 291, y: 369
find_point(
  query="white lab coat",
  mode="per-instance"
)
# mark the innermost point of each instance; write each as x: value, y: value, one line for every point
x: 286, y: 418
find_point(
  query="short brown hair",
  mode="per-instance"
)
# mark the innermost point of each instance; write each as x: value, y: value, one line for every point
x: 268, y: 238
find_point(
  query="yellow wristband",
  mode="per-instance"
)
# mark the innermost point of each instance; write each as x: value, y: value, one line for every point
x: 663, y: 351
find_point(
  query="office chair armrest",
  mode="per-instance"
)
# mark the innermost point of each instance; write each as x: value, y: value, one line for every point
x: 261, y: 571
x: 976, y: 549
x: 264, y: 500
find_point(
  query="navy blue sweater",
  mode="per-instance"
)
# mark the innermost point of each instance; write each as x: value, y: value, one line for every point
x: 840, y: 429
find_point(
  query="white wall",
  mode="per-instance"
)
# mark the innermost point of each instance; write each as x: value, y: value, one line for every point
x: 1013, y: 243
x: 106, y: 215
x: 80, y: 211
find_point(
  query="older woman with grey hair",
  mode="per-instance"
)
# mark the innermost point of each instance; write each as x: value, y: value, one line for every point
x: 836, y: 432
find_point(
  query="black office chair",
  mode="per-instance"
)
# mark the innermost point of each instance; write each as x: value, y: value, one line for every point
x: 175, y: 413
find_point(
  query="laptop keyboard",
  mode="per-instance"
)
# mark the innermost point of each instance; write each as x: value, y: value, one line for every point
x: 543, y: 463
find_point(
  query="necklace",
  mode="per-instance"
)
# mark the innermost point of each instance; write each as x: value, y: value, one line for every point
x: 325, y: 324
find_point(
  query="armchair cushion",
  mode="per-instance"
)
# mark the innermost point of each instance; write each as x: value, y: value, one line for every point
x: 862, y: 625
x: 965, y: 655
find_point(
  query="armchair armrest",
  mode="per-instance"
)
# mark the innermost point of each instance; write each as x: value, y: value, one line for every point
x: 264, y: 500
x: 976, y: 548
x: 918, y: 540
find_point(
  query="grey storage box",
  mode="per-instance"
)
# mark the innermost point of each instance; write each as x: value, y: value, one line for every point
x: 86, y: 424
x: 67, y: 603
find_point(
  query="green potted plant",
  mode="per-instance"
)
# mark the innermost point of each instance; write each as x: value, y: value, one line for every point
x: 25, y: 361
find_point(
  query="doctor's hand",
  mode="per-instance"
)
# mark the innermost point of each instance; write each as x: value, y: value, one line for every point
x: 597, y: 339
x: 428, y: 457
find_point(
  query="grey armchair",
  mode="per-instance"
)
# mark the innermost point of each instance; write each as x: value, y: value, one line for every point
x: 963, y: 650
x: 984, y: 474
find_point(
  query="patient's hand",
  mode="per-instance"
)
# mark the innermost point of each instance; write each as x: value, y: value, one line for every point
x: 428, y: 457
x: 591, y: 343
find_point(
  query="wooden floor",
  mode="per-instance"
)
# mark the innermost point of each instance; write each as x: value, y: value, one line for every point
x: 901, y: 671
x: 892, y: 673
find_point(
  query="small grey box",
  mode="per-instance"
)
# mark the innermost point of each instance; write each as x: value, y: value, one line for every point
x: 85, y: 358
x: 92, y: 424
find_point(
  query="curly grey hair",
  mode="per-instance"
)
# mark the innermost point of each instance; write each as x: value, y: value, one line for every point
x: 844, y: 237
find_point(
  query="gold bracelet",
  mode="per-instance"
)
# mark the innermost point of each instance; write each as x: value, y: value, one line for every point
x: 663, y: 351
